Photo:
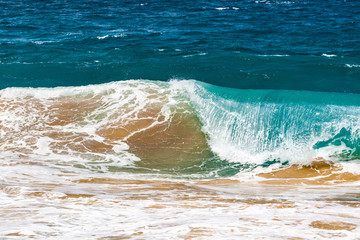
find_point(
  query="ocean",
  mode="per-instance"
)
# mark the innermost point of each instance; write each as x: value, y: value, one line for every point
x: 179, y: 119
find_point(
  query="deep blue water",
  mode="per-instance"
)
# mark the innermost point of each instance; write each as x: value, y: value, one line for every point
x: 241, y: 44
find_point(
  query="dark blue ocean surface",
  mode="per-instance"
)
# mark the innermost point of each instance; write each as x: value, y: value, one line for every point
x: 249, y: 44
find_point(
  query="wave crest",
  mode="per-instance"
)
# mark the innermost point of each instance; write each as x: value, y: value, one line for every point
x: 181, y: 126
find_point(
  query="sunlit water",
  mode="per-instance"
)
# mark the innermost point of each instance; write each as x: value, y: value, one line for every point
x: 247, y: 129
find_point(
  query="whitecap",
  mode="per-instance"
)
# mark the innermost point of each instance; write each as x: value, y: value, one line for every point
x: 352, y: 65
x: 42, y: 42
x: 328, y: 55
x: 272, y: 55
x: 197, y: 54
x: 119, y: 35
x: 103, y: 37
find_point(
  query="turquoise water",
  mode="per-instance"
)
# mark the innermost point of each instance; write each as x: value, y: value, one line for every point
x: 298, y: 45
x: 282, y: 124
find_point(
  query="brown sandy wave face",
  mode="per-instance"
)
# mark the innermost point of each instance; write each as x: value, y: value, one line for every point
x: 135, y: 121
x: 156, y: 140
x: 319, y: 172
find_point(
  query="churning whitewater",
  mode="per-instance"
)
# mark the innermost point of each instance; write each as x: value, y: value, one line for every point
x: 177, y: 127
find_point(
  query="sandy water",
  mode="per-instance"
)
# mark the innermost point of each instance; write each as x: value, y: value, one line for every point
x: 43, y: 203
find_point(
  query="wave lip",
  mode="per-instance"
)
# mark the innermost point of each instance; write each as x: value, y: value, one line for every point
x: 255, y: 126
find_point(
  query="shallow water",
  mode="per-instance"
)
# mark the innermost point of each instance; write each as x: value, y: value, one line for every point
x: 57, y: 205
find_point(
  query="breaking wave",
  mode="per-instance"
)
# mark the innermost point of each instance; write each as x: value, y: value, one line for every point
x: 180, y: 126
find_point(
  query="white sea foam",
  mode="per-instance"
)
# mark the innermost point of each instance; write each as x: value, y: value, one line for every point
x: 275, y: 2
x: 43, y: 146
x: 42, y: 42
x: 226, y: 8
x: 28, y: 112
x: 222, y: 8
x: 273, y: 55
x: 72, y: 209
x: 328, y: 55
x: 352, y: 65
x: 120, y: 35
x: 196, y: 54
x: 103, y: 37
